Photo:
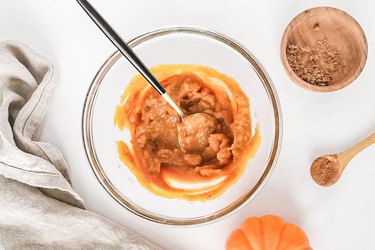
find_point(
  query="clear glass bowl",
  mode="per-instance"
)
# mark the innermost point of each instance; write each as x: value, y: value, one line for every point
x: 179, y: 45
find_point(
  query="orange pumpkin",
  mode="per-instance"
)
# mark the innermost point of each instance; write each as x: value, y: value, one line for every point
x: 269, y: 232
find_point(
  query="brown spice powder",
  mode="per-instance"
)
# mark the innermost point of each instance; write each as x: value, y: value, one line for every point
x: 318, y: 64
x: 325, y: 171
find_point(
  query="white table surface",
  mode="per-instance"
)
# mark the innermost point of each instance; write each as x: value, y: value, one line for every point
x: 340, y: 217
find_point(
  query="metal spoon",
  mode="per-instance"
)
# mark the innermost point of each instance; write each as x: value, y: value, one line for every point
x: 326, y: 170
x: 129, y: 54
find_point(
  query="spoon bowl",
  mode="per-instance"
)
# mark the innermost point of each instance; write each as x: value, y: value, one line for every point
x: 326, y: 170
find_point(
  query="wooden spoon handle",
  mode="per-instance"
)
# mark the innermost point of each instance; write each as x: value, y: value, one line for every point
x: 347, y: 155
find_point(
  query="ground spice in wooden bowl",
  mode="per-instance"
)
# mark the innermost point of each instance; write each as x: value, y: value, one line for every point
x: 318, y: 65
x: 323, y: 49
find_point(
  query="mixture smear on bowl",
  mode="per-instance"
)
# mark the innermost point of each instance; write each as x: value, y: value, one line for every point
x: 194, y: 159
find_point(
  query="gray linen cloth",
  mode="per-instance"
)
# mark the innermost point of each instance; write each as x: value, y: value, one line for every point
x: 38, y: 207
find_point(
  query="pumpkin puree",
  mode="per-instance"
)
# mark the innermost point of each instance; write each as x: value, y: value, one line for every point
x: 194, y: 159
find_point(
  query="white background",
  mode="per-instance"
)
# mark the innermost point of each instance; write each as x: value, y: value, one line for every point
x: 341, y: 217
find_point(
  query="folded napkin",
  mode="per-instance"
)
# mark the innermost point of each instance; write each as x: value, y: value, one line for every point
x: 38, y: 207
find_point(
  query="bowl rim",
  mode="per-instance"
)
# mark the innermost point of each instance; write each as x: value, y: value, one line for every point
x: 301, y: 17
x: 111, y: 189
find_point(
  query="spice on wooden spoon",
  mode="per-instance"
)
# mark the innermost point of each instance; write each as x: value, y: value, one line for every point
x: 326, y: 170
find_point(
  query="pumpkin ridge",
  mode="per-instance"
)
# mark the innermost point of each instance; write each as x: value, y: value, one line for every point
x: 237, y: 236
x: 251, y: 246
x: 250, y: 243
x: 262, y: 234
x: 279, y: 239
x: 248, y: 227
x: 273, y: 226
x: 292, y: 229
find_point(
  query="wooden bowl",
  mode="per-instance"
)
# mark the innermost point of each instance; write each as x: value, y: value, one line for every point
x: 341, y: 31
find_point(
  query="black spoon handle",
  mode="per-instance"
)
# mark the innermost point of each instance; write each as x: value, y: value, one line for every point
x: 121, y: 45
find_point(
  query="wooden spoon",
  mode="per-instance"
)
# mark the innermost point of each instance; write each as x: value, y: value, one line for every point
x: 326, y: 170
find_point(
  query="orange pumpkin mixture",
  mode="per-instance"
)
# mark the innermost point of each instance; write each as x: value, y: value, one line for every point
x: 194, y: 159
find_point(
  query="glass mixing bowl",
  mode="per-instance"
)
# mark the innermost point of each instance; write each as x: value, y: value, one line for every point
x: 179, y: 45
